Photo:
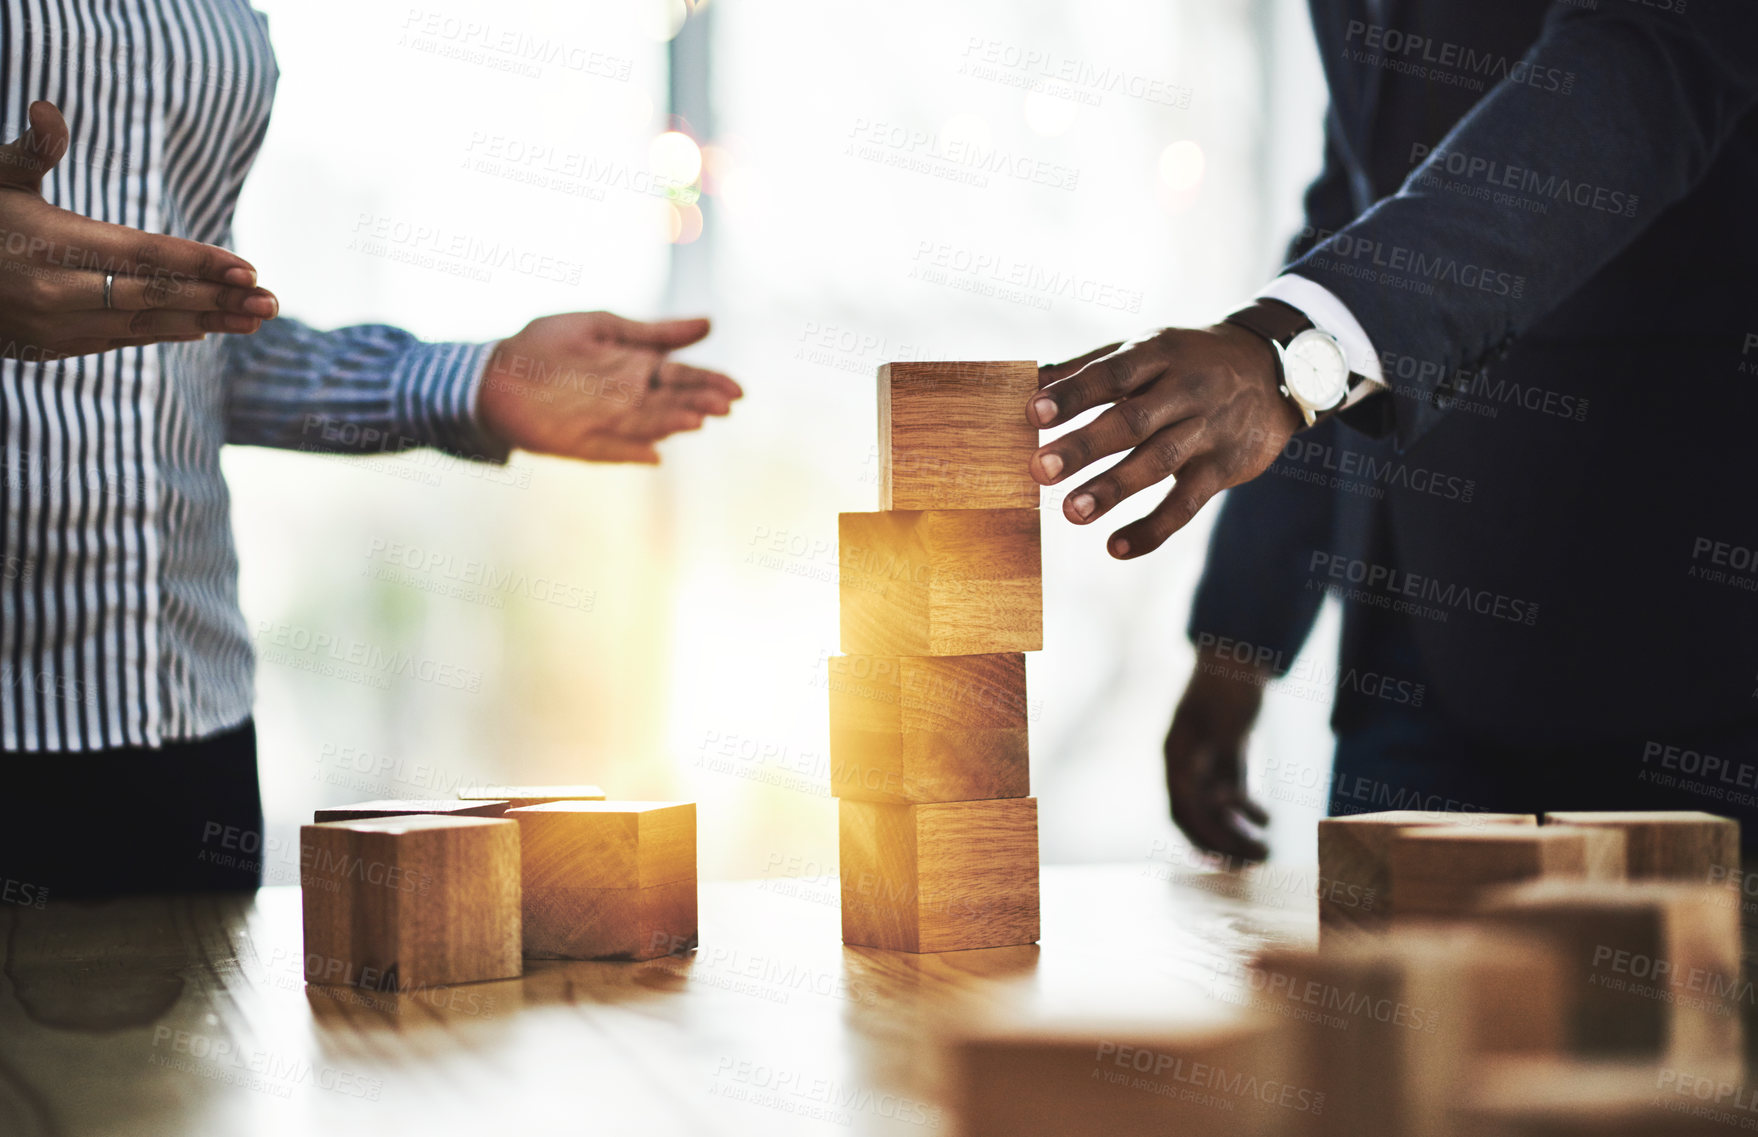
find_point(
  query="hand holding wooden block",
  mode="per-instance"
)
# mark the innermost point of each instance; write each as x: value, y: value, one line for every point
x: 1652, y: 969
x: 1699, y: 848
x: 413, y: 901
x: 1442, y: 870
x: 939, y: 877
x: 955, y: 436
x: 1354, y: 869
x: 921, y: 729
x: 518, y: 797
x: 941, y: 582
x: 608, y: 880
x: 362, y: 810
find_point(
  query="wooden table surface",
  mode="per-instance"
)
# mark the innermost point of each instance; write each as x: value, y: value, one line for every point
x: 189, y: 1015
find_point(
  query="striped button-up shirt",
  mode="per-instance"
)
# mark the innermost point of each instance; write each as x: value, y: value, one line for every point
x: 119, y: 619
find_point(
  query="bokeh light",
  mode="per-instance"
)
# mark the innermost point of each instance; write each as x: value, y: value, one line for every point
x: 675, y: 157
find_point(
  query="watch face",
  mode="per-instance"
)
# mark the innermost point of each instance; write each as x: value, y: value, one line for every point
x: 1315, y: 370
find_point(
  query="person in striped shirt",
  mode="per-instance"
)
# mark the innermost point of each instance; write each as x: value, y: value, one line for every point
x: 133, y: 345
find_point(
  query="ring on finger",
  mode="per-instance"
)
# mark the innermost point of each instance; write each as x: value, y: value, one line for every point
x: 109, y: 290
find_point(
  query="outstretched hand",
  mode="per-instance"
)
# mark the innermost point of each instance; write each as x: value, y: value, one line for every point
x: 597, y: 387
x: 53, y: 263
x: 1200, y: 405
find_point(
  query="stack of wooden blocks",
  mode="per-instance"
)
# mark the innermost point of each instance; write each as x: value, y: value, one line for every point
x: 941, y: 592
x: 1477, y: 975
x: 406, y: 894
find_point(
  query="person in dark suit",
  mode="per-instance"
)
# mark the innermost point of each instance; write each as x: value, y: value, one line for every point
x: 1523, y: 314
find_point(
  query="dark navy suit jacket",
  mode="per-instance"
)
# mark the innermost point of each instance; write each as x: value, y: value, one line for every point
x: 1545, y: 217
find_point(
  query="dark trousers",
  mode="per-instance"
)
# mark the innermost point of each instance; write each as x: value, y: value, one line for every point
x: 184, y: 818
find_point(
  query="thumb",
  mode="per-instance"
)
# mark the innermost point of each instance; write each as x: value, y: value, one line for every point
x: 24, y: 162
x: 660, y: 335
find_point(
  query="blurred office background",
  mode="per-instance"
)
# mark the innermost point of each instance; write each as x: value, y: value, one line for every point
x: 817, y: 175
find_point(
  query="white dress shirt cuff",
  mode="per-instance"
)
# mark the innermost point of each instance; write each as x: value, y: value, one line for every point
x: 1320, y: 305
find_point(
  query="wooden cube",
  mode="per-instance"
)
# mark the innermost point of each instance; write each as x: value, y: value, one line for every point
x: 941, y: 582
x: 1652, y: 969
x: 955, y: 436
x: 1354, y: 873
x: 1147, y: 1078
x: 503, y: 798
x: 1442, y: 870
x: 1391, y: 1026
x: 608, y: 879
x: 359, y: 811
x: 393, y: 903
x: 941, y: 876
x: 925, y: 728
x: 1680, y: 845
x: 1572, y: 1097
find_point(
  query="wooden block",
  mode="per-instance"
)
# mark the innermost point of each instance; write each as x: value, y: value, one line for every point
x: 1669, y: 845
x: 1388, y: 1026
x: 941, y: 582
x: 608, y: 879
x: 1652, y: 969
x: 924, y: 728
x: 1355, y: 885
x: 942, y: 876
x: 955, y: 436
x: 393, y: 903
x: 1129, y: 1079
x: 1443, y: 870
x: 359, y: 811
x: 1569, y: 1097
x: 518, y: 797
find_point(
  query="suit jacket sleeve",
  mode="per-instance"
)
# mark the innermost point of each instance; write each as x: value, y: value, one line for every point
x: 1255, y: 583
x: 1627, y: 95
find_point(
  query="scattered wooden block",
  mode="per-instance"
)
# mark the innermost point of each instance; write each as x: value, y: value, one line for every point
x: 608, y: 880
x: 955, y: 436
x: 941, y: 876
x: 360, y: 811
x: 1129, y: 1079
x: 1651, y: 969
x: 518, y: 797
x: 1669, y: 845
x: 393, y: 903
x: 1442, y: 870
x: 1569, y: 1097
x: 1389, y: 1026
x: 941, y: 582
x: 1354, y: 874
x: 926, y: 728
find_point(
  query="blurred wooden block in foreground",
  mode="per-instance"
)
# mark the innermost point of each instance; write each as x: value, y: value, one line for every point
x: 1389, y: 1026
x: 925, y: 729
x: 1700, y: 848
x: 518, y: 797
x: 608, y: 879
x: 1354, y: 862
x: 954, y: 435
x: 944, y: 876
x: 1563, y: 1097
x: 1227, y: 1078
x: 362, y: 810
x: 393, y: 903
x: 941, y: 582
x: 1651, y: 969
x: 1443, y: 870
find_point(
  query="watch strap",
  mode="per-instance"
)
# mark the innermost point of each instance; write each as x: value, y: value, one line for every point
x: 1279, y: 323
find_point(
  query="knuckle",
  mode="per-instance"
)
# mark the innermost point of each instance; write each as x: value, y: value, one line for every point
x: 143, y: 322
x: 143, y: 253
x: 157, y: 290
x: 1137, y: 418
x: 1167, y: 453
x: 41, y: 294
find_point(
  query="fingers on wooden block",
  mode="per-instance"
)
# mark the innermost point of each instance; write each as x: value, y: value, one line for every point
x: 1354, y: 868
x: 941, y: 582
x: 1443, y: 870
x: 362, y: 810
x: 418, y: 900
x: 944, y: 876
x: 955, y: 435
x: 608, y: 880
x: 1682, y: 845
x: 517, y: 797
x: 1058, y: 1079
x: 1652, y: 968
x: 924, y: 729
